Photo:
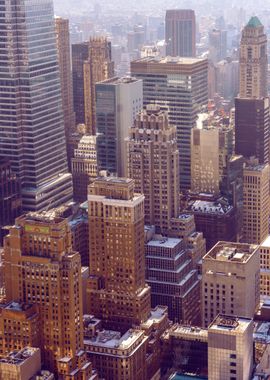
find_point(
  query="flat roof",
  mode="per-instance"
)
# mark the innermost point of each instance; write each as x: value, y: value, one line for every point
x: 266, y: 242
x: 232, y: 252
x: 113, y: 339
x: 171, y: 60
x: 230, y: 323
x: 164, y: 242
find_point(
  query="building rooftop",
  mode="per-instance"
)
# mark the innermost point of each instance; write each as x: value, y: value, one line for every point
x: 266, y: 242
x: 19, y: 357
x: 156, y: 316
x: 188, y: 332
x: 233, y: 252
x: 164, y: 242
x: 122, y: 80
x: 16, y: 306
x: 209, y: 207
x: 254, y: 22
x: 230, y: 323
x: 172, y: 60
x: 113, y: 339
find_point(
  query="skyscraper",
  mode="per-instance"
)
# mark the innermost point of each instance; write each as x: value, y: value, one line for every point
x: 178, y: 86
x: 31, y: 118
x: 230, y: 281
x: 118, y: 100
x: 84, y: 167
x: 117, y: 290
x: 253, y: 60
x: 180, y: 33
x: 80, y: 53
x: 256, y: 201
x: 98, y: 67
x: 153, y: 163
x: 217, y: 45
x: 41, y: 268
x: 64, y: 59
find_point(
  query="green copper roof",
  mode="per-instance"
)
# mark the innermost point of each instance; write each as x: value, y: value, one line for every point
x: 254, y: 22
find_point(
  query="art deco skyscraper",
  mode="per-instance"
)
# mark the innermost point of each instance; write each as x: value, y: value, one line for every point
x: 180, y: 33
x: 31, y: 118
x: 64, y: 58
x: 97, y: 67
x: 40, y: 267
x: 153, y: 162
x: 117, y: 290
x: 253, y: 60
x: 178, y: 86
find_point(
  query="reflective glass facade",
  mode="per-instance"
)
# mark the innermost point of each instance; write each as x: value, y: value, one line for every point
x: 31, y: 118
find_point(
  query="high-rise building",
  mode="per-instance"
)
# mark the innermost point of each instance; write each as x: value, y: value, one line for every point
x: 10, y: 197
x: 217, y: 45
x: 177, y: 285
x: 230, y: 348
x: 84, y: 167
x: 252, y: 127
x: 265, y: 267
x: 256, y: 201
x: 153, y: 163
x: 80, y: 53
x: 98, y: 67
x: 180, y: 33
x: 178, y: 86
x: 230, y: 281
x: 117, y: 290
x: 118, y: 100
x: 64, y: 59
x: 253, y: 60
x: 41, y: 268
x: 31, y: 119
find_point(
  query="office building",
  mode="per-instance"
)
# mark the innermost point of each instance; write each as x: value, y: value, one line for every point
x: 226, y: 78
x: 253, y: 61
x: 230, y: 348
x: 32, y: 129
x: 217, y: 45
x: 19, y: 327
x: 173, y: 280
x: 230, y: 281
x: 10, y: 197
x: 153, y: 163
x: 84, y: 167
x: 178, y: 86
x: 180, y: 33
x: 41, y: 268
x: 184, y: 350
x: 64, y: 59
x: 80, y: 53
x: 252, y: 128
x: 256, y: 200
x: 215, y: 217
x: 117, y: 290
x: 265, y: 267
x: 21, y: 365
x: 98, y: 67
x: 117, y: 356
x: 118, y: 100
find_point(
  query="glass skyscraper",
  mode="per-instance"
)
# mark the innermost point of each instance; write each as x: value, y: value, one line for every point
x: 31, y: 117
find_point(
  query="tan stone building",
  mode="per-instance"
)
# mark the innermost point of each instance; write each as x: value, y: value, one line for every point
x: 153, y: 163
x: 256, y: 201
x: 19, y: 327
x: 265, y: 267
x: 230, y: 348
x: 84, y: 167
x: 117, y: 290
x: 230, y: 281
x: 253, y: 60
x: 64, y: 59
x: 96, y: 68
x: 40, y: 267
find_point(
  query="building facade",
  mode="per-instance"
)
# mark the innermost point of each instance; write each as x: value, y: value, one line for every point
x: 98, y: 67
x: 32, y: 128
x: 153, y: 163
x: 64, y: 59
x: 84, y: 167
x: 180, y: 33
x: 117, y: 290
x: 256, y: 200
x: 178, y: 86
x: 230, y: 281
x: 118, y: 100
